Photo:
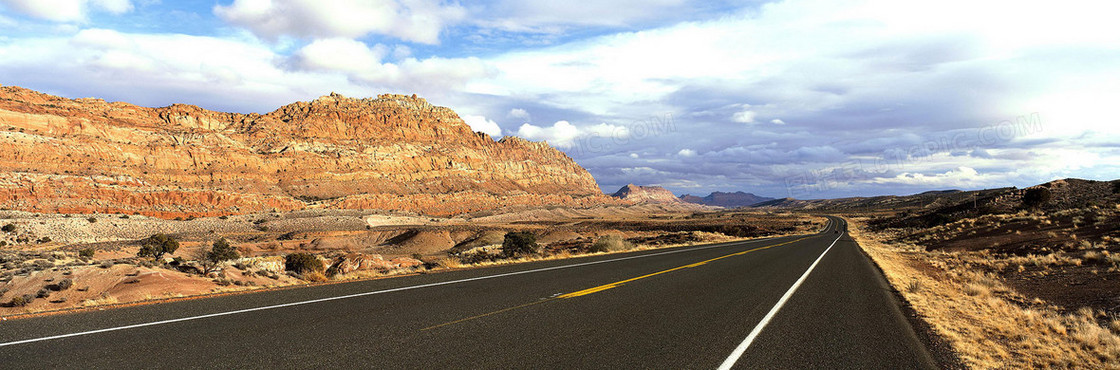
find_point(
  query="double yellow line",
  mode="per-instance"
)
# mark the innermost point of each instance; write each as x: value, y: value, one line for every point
x: 611, y: 285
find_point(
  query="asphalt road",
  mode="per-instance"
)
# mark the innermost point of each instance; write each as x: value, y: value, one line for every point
x: 691, y: 307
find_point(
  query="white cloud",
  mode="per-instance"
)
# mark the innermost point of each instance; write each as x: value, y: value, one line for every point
x: 555, y: 16
x: 483, y: 125
x: 634, y: 155
x: 687, y: 153
x: 339, y: 54
x: 363, y: 64
x: 66, y: 10
x: 410, y: 20
x: 519, y: 113
x: 777, y: 121
x: 745, y: 116
x: 959, y: 177
x: 562, y: 133
x: 607, y: 131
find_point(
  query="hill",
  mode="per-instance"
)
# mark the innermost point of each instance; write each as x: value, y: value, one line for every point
x: 726, y: 200
x: 394, y: 152
x: 645, y: 194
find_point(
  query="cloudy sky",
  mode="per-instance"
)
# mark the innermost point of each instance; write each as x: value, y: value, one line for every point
x: 802, y: 98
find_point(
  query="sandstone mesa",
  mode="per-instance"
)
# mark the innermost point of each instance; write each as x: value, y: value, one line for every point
x: 395, y: 152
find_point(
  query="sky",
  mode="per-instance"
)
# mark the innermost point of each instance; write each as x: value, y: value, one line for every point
x: 799, y: 98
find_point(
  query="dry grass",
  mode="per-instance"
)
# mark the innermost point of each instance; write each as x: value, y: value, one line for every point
x: 975, y: 312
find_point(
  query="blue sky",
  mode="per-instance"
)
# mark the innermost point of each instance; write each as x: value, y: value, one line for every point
x: 802, y: 98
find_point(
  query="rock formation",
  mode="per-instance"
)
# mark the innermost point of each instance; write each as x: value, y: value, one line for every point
x: 727, y: 200
x: 645, y: 194
x: 394, y: 152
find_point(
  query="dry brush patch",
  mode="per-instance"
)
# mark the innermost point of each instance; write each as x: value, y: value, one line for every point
x: 988, y: 324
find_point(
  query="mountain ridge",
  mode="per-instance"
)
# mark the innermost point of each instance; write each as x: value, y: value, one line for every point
x: 393, y: 152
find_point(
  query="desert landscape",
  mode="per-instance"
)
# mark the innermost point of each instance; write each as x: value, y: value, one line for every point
x: 1010, y: 277
x: 74, y: 234
x: 494, y: 184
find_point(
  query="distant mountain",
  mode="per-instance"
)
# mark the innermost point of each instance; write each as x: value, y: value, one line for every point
x: 687, y: 198
x: 645, y: 194
x: 726, y: 200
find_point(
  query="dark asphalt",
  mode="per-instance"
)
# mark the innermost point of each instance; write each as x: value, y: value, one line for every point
x: 842, y: 316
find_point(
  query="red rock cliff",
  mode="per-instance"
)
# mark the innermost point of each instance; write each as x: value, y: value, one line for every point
x: 395, y: 152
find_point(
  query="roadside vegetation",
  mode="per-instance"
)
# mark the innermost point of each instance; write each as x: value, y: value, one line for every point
x: 967, y: 300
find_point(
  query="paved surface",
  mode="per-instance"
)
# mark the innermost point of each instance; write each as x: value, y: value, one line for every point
x: 672, y: 308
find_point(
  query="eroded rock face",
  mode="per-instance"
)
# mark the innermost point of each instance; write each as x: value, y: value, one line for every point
x: 646, y: 194
x: 360, y: 261
x: 394, y: 152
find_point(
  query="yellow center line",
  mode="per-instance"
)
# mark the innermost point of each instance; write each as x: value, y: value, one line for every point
x: 701, y: 263
x: 607, y: 286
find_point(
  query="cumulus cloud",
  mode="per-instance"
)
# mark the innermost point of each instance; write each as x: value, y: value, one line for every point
x: 519, y: 114
x: 483, y: 125
x: 960, y: 176
x: 339, y: 54
x: 687, y: 153
x: 564, y: 134
x: 561, y: 133
x: 745, y: 116
x: 66, y: 10
x: 363, y: 63
x: 777, y: 121
x: 409, y: 20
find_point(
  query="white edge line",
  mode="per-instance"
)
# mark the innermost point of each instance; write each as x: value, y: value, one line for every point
x: 217, y: 314
x: 730, y: 361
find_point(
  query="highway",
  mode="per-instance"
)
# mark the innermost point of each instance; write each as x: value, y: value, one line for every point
x: 808, y: 301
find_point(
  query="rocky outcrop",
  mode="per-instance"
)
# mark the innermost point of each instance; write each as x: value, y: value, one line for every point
x: 645, y: 194
x: 726, y: 200
x: 394, y: 152
x: 359, y: 261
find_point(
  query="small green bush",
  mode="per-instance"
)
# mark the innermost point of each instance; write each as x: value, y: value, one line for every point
x: 520, y: 243
x: 8, y: 228
x: 20, y: 301
x: 611, y: 243
x: 86, y: 253
x: 221, y: 251
x: 157, y: 245
x: 303, y: 263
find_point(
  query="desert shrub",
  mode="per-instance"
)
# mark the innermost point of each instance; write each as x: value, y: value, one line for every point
x: 223, y: 217
x: 86, y: 253
x: 8, y: 228
x: 314, y: 276
x: 92, y: 220
x: 221, y: 251
x: 611, y: 243
x: 45, y: 239
x: 61, y: 285
x: 20, y: 301
x: 43, y: 293
x: 1036, y: 197
x: 157, y: 245
x: 520, y: 243
x: 302, y: 263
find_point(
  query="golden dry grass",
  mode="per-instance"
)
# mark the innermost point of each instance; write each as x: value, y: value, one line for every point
x: 974, y: 312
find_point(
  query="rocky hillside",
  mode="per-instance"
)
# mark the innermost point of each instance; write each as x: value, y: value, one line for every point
x: 645, y: 194
x: 394, y: 152
x: 726, y: 200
